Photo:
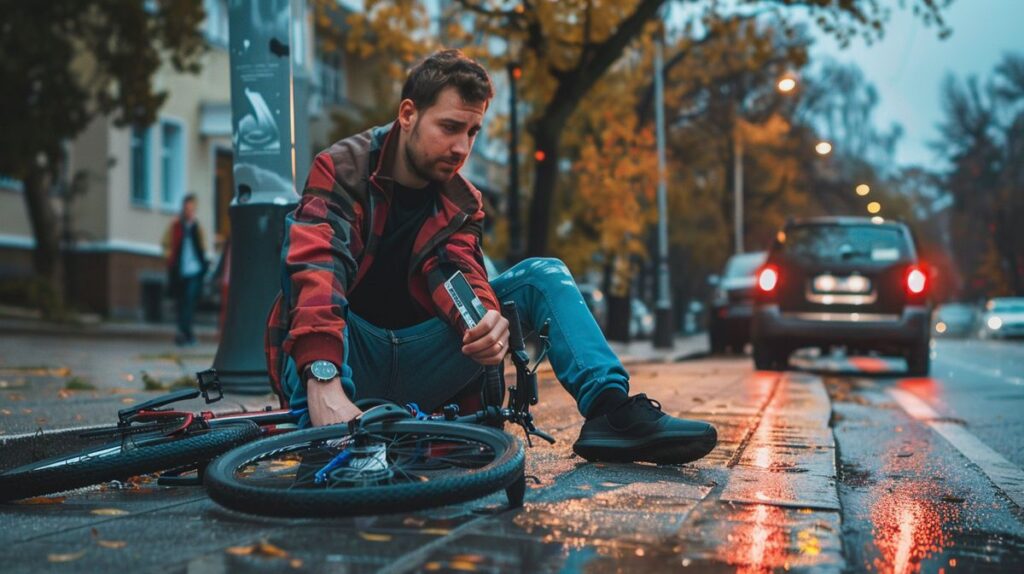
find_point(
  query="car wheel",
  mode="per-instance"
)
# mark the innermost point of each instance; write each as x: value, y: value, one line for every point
x: 919, y: 359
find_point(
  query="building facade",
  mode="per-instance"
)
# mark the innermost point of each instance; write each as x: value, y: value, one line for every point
x: 134, y: 178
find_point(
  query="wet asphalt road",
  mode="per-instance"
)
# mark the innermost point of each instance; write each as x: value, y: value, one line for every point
x: 912, y: 500
x: 822, y: 468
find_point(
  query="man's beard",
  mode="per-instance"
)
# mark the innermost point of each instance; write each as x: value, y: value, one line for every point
x: 422, y: 168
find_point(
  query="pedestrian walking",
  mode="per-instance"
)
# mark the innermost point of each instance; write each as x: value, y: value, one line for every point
x: 384, y: 219
x: 184, y: 250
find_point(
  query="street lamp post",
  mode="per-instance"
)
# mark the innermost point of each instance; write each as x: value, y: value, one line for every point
x: 785, y: 85
x: 267, y: 123
x: 737, y: 190
x: 663, y: 308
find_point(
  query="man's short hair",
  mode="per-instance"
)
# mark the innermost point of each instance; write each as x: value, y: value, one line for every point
x: 188, y: 197
x: 446, y: 68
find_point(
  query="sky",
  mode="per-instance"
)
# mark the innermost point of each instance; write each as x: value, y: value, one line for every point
x: 909, y: 64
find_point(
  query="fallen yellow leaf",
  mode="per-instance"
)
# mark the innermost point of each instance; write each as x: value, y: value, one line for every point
x: 43, y: 500
x: 375, y: 537
x: 437, y: 531
x: 295, y: 563
x: 115, y: 544
x: 265, y: 548
x: 65, y: 557
x: 109, y: 512
x: 239, y: 550
x: 127, y: 400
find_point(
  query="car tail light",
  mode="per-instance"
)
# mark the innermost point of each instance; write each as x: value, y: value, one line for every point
x: 767, y: 278
x: 917, y: 281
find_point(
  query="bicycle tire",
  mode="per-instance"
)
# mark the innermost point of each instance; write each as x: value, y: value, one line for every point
x: 226, y: 488
x: 110, y: 461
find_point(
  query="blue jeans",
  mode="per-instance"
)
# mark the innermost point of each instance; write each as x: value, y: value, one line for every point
x: 188, y: 296
x: 424, y: 363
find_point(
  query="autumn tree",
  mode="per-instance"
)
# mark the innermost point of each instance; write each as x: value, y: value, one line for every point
x: 983, y: 140
x: 68, y: 62
x: 565, y: 48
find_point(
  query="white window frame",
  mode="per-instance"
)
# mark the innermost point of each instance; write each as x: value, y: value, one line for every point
x: 147, y: 183
x: 178, y: 167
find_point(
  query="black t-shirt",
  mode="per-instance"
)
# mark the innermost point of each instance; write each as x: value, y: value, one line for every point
x: 382, y: 297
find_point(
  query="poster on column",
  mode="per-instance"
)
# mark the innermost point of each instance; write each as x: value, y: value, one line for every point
x: 261, y: 99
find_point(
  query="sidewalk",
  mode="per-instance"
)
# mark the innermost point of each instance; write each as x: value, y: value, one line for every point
x: 763, y: 500
x: 643, y: 351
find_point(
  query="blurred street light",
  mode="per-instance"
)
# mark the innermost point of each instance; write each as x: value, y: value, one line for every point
x: 863, y: 189
x: 786, y: 84
x: 874, y: 207
x: 823, y: 148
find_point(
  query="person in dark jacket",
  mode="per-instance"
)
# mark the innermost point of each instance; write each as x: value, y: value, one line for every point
x: 185, y: 253
x: 384, y: 219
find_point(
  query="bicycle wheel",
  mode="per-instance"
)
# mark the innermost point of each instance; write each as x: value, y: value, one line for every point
x: 397, y: 466
x: 134, y: 455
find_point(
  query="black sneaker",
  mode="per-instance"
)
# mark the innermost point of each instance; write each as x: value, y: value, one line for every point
x: 638, y: 431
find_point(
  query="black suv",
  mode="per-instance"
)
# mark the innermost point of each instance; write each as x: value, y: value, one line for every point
x: 848, y: 281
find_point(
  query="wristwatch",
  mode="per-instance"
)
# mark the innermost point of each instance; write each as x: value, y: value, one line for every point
x: 321, y: 371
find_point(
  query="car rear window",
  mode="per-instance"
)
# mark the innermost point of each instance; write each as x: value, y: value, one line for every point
x: 744, y: 265
x: 860, y: 243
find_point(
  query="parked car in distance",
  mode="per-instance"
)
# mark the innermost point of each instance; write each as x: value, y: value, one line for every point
x: 843, y: 281
x: 954, y: 320
x: 732, y: 304
x: 641, y: 320
x: 1003, y: 318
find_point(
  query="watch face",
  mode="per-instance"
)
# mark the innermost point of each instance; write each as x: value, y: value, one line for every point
x: 323, y: 370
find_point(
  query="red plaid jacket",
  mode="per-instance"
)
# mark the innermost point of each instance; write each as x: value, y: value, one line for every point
x: 331, y: 238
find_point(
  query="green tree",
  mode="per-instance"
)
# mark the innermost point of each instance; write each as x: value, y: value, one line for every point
x: 66, y: 63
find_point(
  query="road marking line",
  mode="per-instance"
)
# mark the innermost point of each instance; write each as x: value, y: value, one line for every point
x: 1003, y: 473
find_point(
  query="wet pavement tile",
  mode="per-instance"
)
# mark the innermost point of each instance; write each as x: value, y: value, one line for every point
x: 763, y: 538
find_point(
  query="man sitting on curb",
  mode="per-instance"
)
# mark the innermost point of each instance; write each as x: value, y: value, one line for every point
x: 384, y: 219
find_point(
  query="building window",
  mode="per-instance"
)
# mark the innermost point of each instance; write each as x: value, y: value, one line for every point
x: 216, y: 21
x: 332, y: 79
x: 140, y: 165
x: 172, y: 164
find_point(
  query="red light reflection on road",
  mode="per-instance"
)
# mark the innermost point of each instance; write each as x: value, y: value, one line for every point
x: 760, y: 542
x: 924, y: 388
x: 906, y: 531
x: 909, y: 519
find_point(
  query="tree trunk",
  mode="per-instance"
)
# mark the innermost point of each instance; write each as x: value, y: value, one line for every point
x: 547, y: 136
x: 46, y: 257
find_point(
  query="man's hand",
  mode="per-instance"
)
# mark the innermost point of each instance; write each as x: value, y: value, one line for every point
x: 328, y: 403
x: 487, y: 343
